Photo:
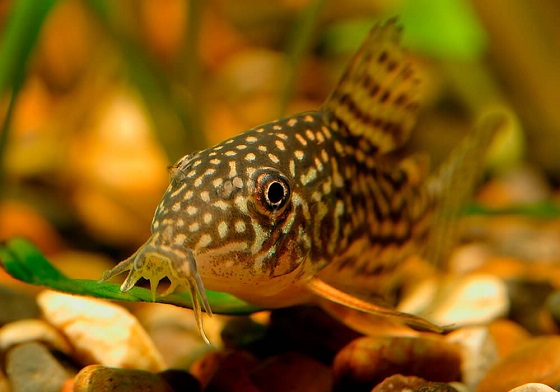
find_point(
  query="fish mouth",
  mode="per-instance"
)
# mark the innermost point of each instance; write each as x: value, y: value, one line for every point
x: 154, y: 262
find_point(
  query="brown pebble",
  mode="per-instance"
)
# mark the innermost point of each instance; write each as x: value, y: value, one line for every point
x: 293, y: 372
x: 97, y: 378
x: 507, y: 336
x: 225, y: 371
x: 537, y: 360
x: 369, y: 360
x: 398, y: 382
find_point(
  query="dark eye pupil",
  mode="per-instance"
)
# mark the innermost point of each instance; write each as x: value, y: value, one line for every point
x: 275, y: 193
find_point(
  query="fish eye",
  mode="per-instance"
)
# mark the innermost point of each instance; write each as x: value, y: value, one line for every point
x: 272, y: 191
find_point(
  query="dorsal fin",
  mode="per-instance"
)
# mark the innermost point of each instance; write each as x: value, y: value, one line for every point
x: 377, y: 96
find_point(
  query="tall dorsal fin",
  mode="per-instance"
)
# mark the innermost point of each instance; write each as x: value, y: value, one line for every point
x: 378, y: 95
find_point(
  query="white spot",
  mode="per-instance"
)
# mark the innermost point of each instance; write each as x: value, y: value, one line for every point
x: 207, y: 217
x: 250, y: 157
x: 273, y: 158
x: 241, y: 146
x: 198, y: 181
x: 320, y: 137
x: 299, y: 154
x: 189, y: 195
x: 237, y: 182
x: 310, y: 135
x: 252, y: 139
x: 292, y: 166
x: 262, y: 148
x: 218, y: 148
x: 221, y: 205
x: 193, y: 227
x: 205, y: 239
x: 180, y: 222
x: 301, y: 139
x: 179, y: 190
x: 292, y: 121
x: 232, y: 169
x: 230, y: 153
x: 316, y: 196
x: 260, y: 130
x: 196, y: 163
x: 338, y: 147
x: 191, y: 174
x: 209, y: 172
x: 180, y: 239
x: 229, y: 141
x: 176, y: 207
x: 282, y: 136
x: 222, y: 229
x: 217, y: 182
x: 318, y: 164
x: 215, y: 161
x: 280, y: 145
x: 310, y: 176
x: 205, y: 196
x: 308, y: 118
x: 240, y: 226
x: 277, y: 127
x: 241, y: 203
x: 325, y: 155
x: 191, y: 210
x: 155, y: 224
x: 326, y: 131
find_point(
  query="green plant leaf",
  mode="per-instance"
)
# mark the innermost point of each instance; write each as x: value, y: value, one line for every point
x: 22, y: 260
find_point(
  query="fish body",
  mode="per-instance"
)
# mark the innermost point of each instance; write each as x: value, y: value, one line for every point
x: 312, y: 205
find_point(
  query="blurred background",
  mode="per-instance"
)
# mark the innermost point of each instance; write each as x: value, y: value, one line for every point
x: 98, y: 97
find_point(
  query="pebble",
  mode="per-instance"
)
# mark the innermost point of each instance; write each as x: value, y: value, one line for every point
x: 537, y: 360
x: 293, y: 372
x: 398, y: 383
x: 97, y: 378
x: 16, y: 305
x: 22, y: 331
x: 366, y: 361
x: 478, y: 352
x: 507, y: 336
x: 458, y: 300
x: 527, y: 298
x: 226, y: 371
x: 100, y: 332
x: 31, y: 367
x: 533, y: 387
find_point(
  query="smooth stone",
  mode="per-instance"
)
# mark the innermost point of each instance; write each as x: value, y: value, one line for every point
x: 398, y: 382
x: 97, y: 378
x: 101, y: 332
x: 293, y: 372
x: 31, y: 367
x: 537, y: 360
x: 507, y: 335
x: 458, y: 300
x: 15, y: 305
x: 369, y: 360
x: 533, y: 387
x: 226, y: 371
x: 478, y: 353
x: 28, y: 330
x: 180, y: 380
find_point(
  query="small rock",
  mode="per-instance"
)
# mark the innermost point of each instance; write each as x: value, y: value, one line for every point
x: 226, y: 371
x: 180, y: 380
x: 398, y: 382
x: 97, y: 378
x: 367, y: 361
x: 507, y: 335
x: 31, y: 367
x: 533, y: 387
x: 28, y: 330
x: 16, y: 305
x: 527, y: 298
x: 100, y: 332
x: 292, y: 372
x: 459, y: 300
x: 478, y: 353
x: 537, y: 360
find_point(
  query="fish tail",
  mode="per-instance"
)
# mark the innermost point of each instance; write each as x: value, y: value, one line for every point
x: 452, y: 185
x: 378, y: 95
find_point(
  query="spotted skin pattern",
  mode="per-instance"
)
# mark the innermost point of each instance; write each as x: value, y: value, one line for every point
x: 314, y: 196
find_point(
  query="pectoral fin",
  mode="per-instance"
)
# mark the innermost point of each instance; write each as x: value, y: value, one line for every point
x: 326, y: 291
